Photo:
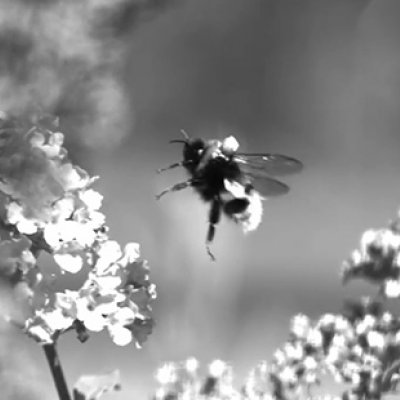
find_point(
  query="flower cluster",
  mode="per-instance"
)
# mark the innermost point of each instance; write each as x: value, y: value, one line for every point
x: 48, y: 204
x: 257, y: 385
x: 182, y: 381
x: 297, y: 364
x: 116, y: 296
x: 377, y: 260
x: 360, y: 348
x: 366, y: 352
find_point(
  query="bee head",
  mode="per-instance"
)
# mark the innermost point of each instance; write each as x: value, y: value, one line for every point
x: 193, y: 149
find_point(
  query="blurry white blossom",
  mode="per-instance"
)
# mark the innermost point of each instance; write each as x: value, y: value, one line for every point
x: 377, y: 260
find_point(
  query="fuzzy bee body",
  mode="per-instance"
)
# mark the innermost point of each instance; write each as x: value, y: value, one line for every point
x: 225, y: 178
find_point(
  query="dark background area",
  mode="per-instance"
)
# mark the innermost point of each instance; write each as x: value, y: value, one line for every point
x: 317, y: 80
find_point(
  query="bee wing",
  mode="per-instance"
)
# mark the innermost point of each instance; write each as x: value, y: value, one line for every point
x: 268, y: 186
x: 260, y: 167
x: 267, y: 164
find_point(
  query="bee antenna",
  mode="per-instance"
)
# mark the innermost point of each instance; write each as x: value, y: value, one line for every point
x: 177, y: 141
x: 185, y: 135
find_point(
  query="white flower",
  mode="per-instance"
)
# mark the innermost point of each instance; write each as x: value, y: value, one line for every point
x: 300, y: 326
x: 310, y: 376
x: 279, y: 357
x: 120, y: 336
x: 387, y: 318
x: 71, y: 178
x: 166, y: 374
x: 91, y: 198
x: 63, y: 208
x: 92, y: 318
x: 288, y: 375
x: 108, y: 282
x: 56, y: 320
x: 342, y: 324
x: 357, y: 350
x: 66, y: 301
x: 63, y: 231
x: 334, y: 355
x: 108, y: 253
x: 191, y: 365
x: 217, y: 368
x: 351, y: 368
x: 53, y: 149
x: 68, y: 262
x: 339, y: 340
x: 123, y: 316
x: 396, y: 260
x: 314, y: 337
x: 366, y: 324
x: 15, y: 216
x: 357, y: 257
x: 131, y: 253
x: 85, y: 235
x: 385, y: 239
x: 368, y: 237
x: 327, y: 320
x: 392, y: 288
x: 26, y: 226
x: 37, y: 139
x: 40, y: 333
x: 310, y: 363
x: 294, y: 351
x: 376, y: 339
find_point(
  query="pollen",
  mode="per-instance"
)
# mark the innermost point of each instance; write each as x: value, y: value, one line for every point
x: 229, y: 145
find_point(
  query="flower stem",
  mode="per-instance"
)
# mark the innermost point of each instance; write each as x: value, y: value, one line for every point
x: 56, y: 370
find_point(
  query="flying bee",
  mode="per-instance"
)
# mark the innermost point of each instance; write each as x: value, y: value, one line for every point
x: 226, y: 178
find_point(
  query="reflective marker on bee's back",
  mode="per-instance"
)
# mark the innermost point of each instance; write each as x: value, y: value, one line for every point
x: 226, y: 179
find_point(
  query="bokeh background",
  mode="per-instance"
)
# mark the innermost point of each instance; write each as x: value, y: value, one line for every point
x: 315, y: 79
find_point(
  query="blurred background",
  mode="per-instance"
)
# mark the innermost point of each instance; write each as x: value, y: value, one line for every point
x: 315, y: 79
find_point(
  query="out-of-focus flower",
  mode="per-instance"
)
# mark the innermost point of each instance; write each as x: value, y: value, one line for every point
x: 300, y: 326
x: 167, y: 374
x: 217, y: 368
x: 377, y: 261
x: 360, y: 347
x: 16, y: 260
x: 191, y: 365
x: 391, y: 288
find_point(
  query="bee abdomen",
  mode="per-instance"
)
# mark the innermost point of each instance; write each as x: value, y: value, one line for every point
x: 236, y: 206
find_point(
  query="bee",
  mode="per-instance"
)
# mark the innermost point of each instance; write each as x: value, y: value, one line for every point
x: 227, y: 179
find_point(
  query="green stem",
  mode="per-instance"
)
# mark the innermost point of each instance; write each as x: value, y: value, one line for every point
x: 56, y: 370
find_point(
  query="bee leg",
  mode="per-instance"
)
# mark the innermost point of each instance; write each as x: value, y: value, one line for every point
x: 175, y: 188
x: 178, y: 164
x: 213, y: 219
